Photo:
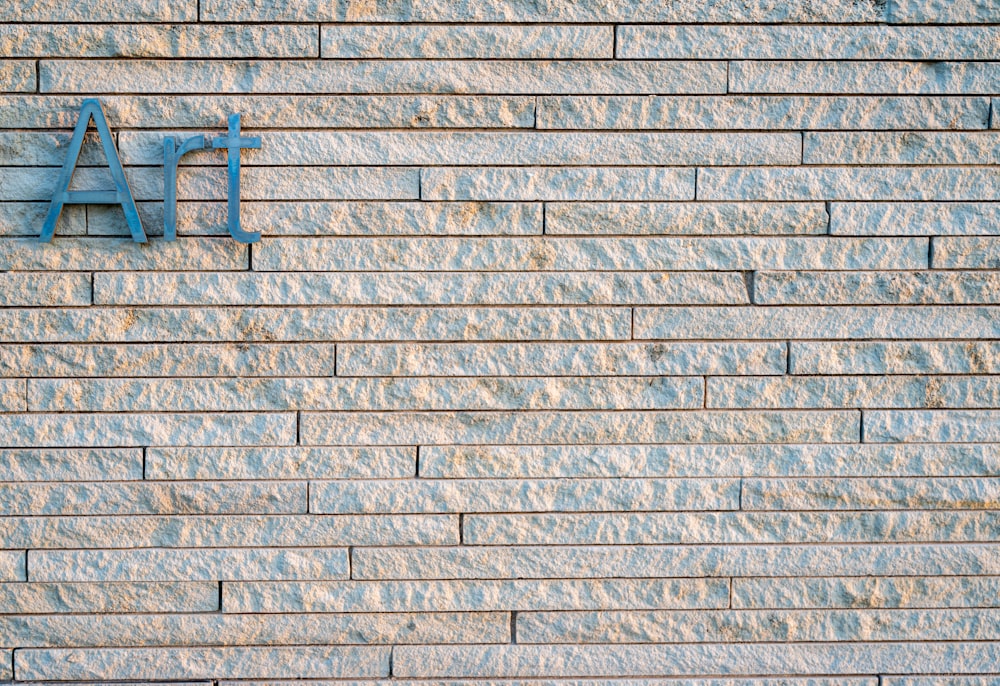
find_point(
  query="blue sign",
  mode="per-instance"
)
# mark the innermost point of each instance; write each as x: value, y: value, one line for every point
x: 232, y: 143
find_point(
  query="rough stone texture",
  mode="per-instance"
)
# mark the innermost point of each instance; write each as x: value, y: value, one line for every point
x: 366, y: 428
x: 52, y: 598
x: 877, y: 78
x: 845, y: 183
x: 672, y: 660
x: 474, y: 496
x: 883, y: 288
x: 279, y: 463
x: 853, y: 391
x: 560, y: 359
x: 227, y: 531
x: 587, y: 343
x: 728, y: 527
x: 755, y: 626
x: 511, y: 288
x: 376, y: 111
x: 866, y: 593
x: 490, y: 77
x: 370, y: 394
x: 763, y: 112
x: 138, y: 499
x: 639, y: 461
x: 17, y: 76
x: 468, y: 42
x: 589, y: 254
x: 809, y: 42
x: 905, y: 219
x: 172, y: 565
x: 159, y: 40
x: 426, y: 148
x: 258, y: 629
x: 195, y: 663
x: 431, y: 596
x: 967, y: 357
x: 87, y: 464
x: 685, y: 219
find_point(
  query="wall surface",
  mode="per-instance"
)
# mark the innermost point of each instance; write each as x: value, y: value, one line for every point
x: 585, y: 339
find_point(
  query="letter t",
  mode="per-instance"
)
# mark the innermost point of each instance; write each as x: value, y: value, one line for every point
x: 233, y: 142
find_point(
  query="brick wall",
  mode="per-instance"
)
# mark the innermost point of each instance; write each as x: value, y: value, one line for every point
x: 585, y: 339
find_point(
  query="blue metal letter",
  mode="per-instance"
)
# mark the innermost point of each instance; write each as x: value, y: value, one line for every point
x: 122, y: 195
x: 233, y: 143
x: 171, y: 156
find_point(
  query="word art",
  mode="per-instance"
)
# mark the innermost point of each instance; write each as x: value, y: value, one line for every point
x: 91, y: 109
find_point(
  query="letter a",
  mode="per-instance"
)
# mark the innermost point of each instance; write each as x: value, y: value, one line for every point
x: 122, y: 195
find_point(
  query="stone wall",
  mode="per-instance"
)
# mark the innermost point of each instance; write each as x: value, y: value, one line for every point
x: 585, y: 339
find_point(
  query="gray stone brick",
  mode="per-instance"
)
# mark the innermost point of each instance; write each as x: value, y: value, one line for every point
x: 615, y: 11
x: 12, y: 395
x: 344, y: 218
x: 559, y: 359
x: 829, y: 77
x: 977, y: 493
x: 491, y: 148
x: 369, y: 394
x: 945, y: 12
x: 910, y: 357
x: 183, y: 630
x: 760, y: 112
x: 40, y: 290
x: 912, y: 147
x: 902, y: 219
x: 468, y: 42
x: 235, y: 564
x: 746, y: 626
x: 202, y: 663
x: 17, y: 76
x: 363, y: 428
x: 573, y: 183
x: 723, y: 323
x: 925, y: 426
x: 419, y: 288
x: 168, y: 359
x: 37, y: 149
x: 877, y: 288
x: 123, y: 430
x: 866, y: 592
x: 313, y: 324
x: 145, y: 498
x: 685, y: 219
x: 966, y: 252
x: 852, y: 391
x: 640, y: 562
x: 490, y: 77
x: 13, y: 566
x: 48, y: 598
x: 465, y: 596
x: 279, y: 463
x: 26, y: 219
x: 376, y: 111
x: 593, y: 254
x: 86, y: 464
x: 99, y: 11
x: 846, y: 183
x: 590, y: 495
x: 65, y: 253
x: 721, y: 42
x: 157, y: 40
x: 729, y: 528
x: 232, y: 531
x: 671, y: 461
x: 681, y: 660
